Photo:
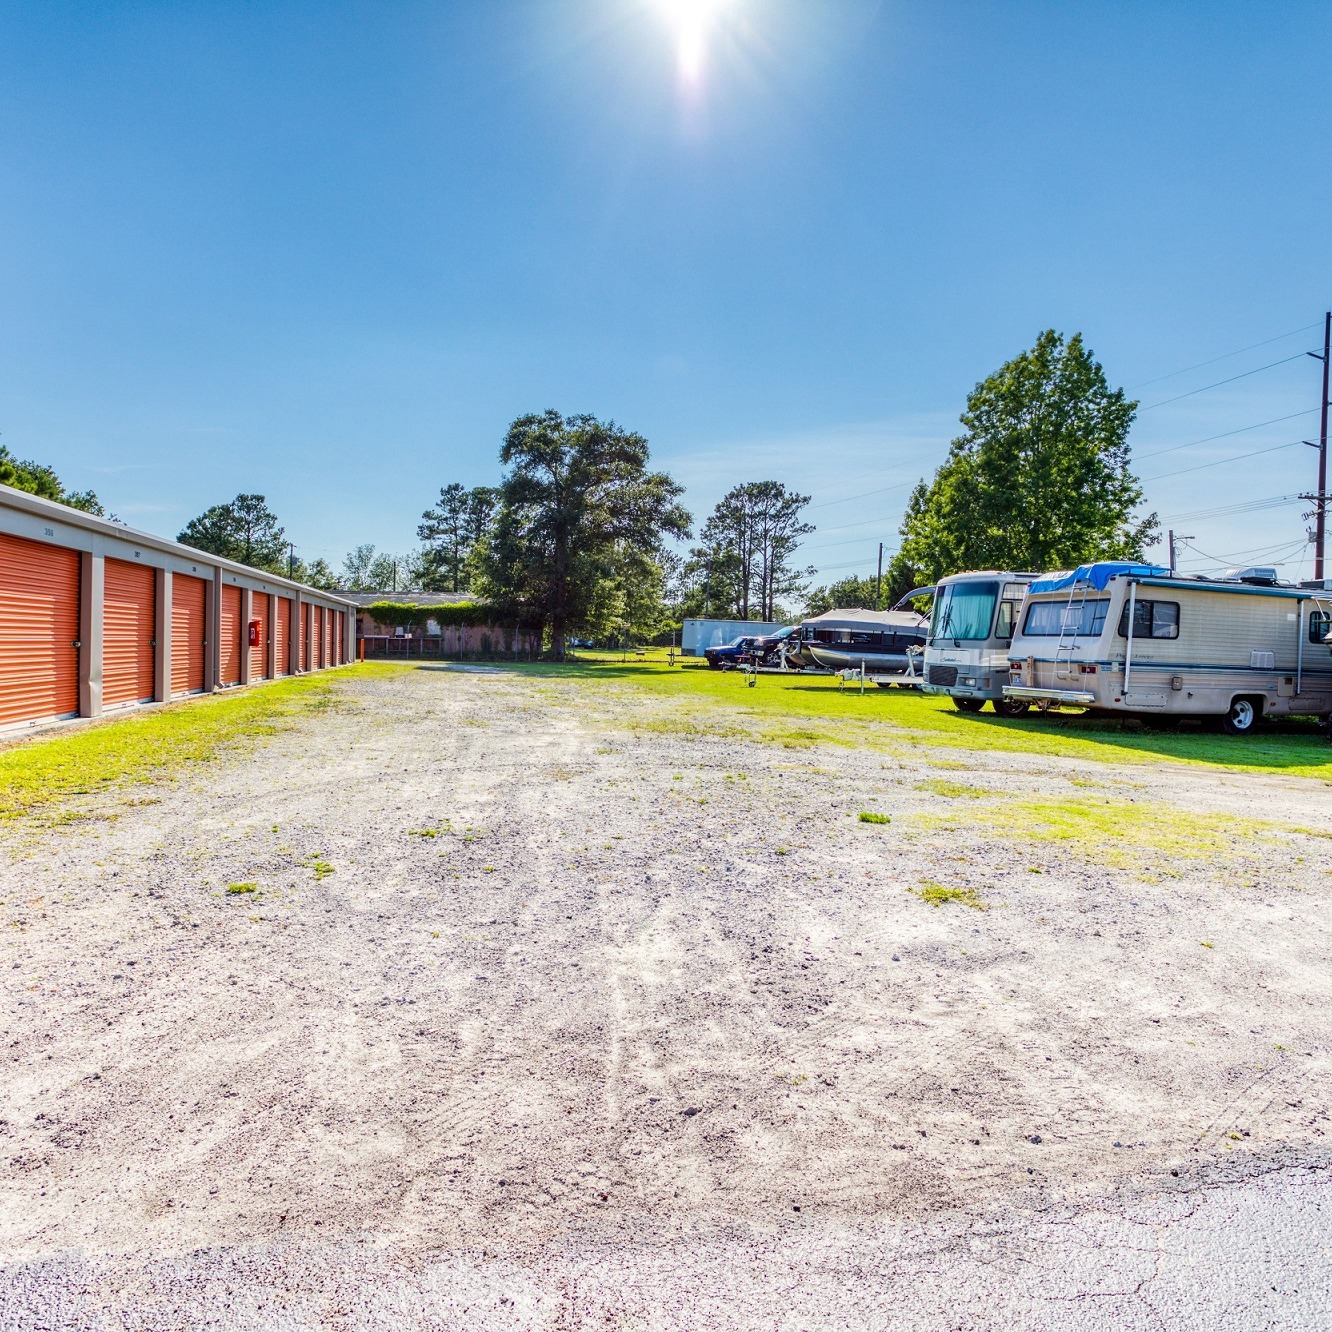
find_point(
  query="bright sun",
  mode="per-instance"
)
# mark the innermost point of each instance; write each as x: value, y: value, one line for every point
x: 691, y: 20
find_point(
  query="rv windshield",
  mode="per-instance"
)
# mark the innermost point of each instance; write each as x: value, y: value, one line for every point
x: 964, y: 610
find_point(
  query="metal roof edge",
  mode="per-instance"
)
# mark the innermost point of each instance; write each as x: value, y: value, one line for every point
x: 23, y: 500
x: 1247, y: 589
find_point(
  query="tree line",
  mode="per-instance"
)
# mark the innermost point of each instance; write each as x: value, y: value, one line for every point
x: 579, y: 535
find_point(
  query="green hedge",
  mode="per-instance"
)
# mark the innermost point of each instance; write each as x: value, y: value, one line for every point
x: 456, y: 615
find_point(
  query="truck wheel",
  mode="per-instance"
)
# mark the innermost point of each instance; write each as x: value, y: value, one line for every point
x: 1011, y: 707
x: 1242, y: 717
x: 968, y: 704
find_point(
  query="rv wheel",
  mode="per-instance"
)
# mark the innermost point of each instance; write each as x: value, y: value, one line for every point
x: 1241, y: 718
x: 1011, y: 707
x: 968, y: 704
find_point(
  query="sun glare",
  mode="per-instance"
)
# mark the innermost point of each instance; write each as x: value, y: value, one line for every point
x: 691, y: 20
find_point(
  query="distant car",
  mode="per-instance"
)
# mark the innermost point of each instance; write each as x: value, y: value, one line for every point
x: 580, y: 642
x: 730, y: 654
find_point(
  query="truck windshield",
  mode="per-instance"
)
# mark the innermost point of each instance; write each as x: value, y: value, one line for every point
x: 964, y: 610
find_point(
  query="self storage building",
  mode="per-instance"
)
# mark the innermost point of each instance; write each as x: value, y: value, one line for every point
x: 95, y: 616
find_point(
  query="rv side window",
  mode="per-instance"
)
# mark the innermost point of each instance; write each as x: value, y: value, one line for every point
x: 1151, y: 619
x: 1320, y: 625
x: 1046, y: 619
x: 1003, y: 622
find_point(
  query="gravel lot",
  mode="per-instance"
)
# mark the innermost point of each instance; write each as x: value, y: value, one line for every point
x: 553, y: 1010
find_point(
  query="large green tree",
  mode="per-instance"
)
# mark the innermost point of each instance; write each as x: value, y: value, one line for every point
x: 1040, y: 480
x: 579, y: 511
x: 750, y: 542
x: 39, y: 479
x: 451, y: 532
x: 245, y: 530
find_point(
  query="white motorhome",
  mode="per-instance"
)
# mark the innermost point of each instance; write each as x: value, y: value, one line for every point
x: 971, y: 628
x: 1133, y: 638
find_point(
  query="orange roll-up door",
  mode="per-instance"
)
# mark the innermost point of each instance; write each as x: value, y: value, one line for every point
x: 39, y: 625
x: 318, y: 637
x: 129, y: 628
x: 229, y: 653
x: 305, y: 635
x: 341, y: 653
x: 282, y: 635
x: 189, y: 629
x: 261, y: 611
x: 328, y: 637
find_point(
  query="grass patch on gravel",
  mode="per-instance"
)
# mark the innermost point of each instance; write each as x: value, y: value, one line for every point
x: 937, y: 894
x: 37, y: 775
x: 952, y: 790
x: 811, y: 709
x: 1143, y: 838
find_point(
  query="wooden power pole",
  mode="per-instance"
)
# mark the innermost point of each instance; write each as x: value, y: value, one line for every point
x: 1320, y: 498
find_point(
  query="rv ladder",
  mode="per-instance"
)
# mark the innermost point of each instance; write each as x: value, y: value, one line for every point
x: 1068, y: 630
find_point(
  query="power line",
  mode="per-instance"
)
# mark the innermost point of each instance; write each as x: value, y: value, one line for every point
x: 846, y: 527
x: 1253, y: 346
x: 1229, y: 510
x: 1226, y: 434
x: 1271, y: 365
x: 832, y: 545
x: 864, y: 494
x: 1253, y: 553
x: 1216, y: 462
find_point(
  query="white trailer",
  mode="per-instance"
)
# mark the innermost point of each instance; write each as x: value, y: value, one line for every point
x: 698, y: 635
x: 1127, y: 638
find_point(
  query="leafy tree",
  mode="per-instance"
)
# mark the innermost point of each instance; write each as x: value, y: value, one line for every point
x: 1040, y: 480
x: 845, y: 594
x: 451, y: 532
x: 38, y: 479
x: 707, y: 584
x: 756, y: 529
x: 364, y: 569
x: 579, y: 512
x: 356, y: 569
x: 318, y: 575
x: 245, y: 530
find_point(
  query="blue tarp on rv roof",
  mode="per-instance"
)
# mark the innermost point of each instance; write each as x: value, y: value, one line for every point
x: 1096, y: 575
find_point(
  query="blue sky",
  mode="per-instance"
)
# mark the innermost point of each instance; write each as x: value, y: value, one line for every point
x: 327, y: 252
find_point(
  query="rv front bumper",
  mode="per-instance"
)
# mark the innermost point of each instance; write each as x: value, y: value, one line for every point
x: 1077, y: 698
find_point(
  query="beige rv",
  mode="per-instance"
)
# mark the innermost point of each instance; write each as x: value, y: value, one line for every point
x: 1134, y: 639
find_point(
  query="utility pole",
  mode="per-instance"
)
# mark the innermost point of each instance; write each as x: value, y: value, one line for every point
x: 1171, y: 539
x: 1320, y: 531
x: 878, y: 581
x: 291, y: 559
x: 1320, y: 499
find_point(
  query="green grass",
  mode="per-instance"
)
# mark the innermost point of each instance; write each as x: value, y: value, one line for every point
x: 952, y: 790
x: 234, y: 889
x: 38, y: 775
x: 937, y: 894
x: 798, y: 711
x: 869, y: 816
x: 1119, y: 834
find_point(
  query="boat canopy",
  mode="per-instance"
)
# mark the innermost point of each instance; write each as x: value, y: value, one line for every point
x: 1097, y: 575
x: 861, y: 619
